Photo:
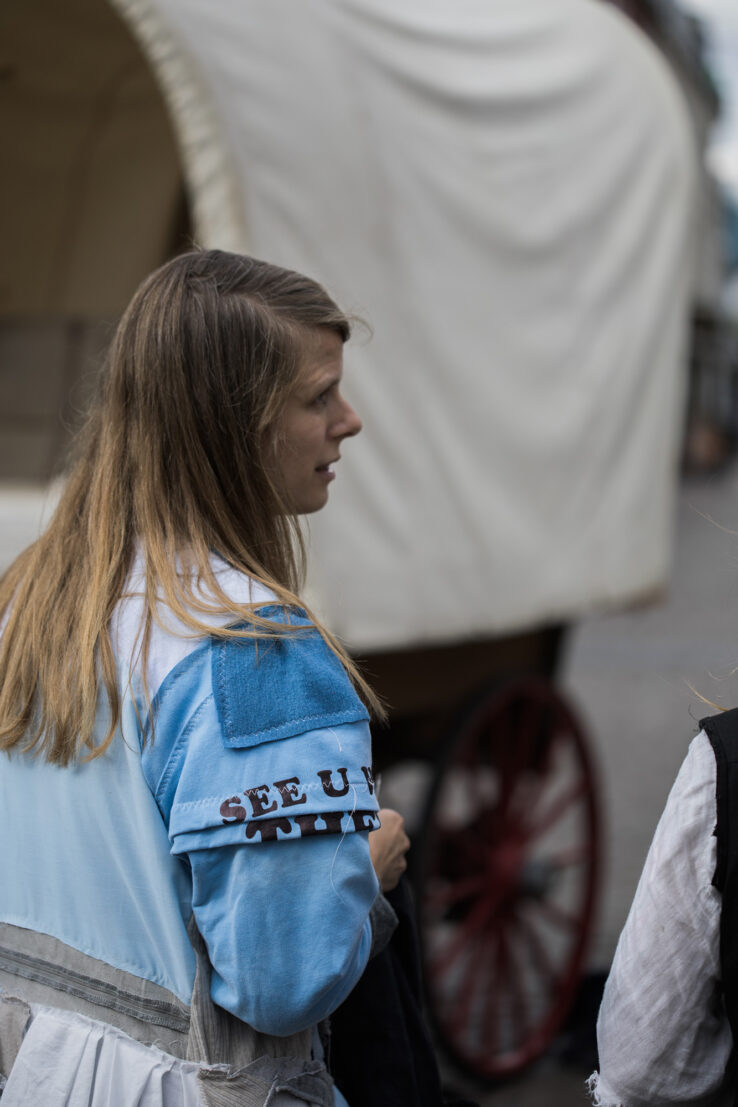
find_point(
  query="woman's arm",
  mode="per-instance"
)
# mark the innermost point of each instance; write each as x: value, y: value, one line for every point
x: 662, y: 1032
x: 261, y: 767
x: 286, y: 925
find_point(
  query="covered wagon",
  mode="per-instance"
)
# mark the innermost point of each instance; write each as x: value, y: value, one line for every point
x: 502, y: 191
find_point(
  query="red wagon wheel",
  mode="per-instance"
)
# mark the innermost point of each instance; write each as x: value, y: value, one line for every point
x: 506, y: 871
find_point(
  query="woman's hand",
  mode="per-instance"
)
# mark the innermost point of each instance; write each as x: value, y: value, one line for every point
x: 387, y: 847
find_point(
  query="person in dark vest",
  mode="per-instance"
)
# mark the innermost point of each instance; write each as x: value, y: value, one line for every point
x: 668, y: 1022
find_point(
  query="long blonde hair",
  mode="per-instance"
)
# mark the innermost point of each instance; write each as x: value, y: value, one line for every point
x: 172, y: 463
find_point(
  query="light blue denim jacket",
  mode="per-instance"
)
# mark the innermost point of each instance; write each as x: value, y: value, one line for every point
x: 244, y: 796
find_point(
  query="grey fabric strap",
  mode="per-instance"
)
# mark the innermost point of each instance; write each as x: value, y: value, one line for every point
x: 384, y: 921
x: 14, y: 1017
x: 269, y: 1082
x: 45, y: 970
x: 240, y: 1067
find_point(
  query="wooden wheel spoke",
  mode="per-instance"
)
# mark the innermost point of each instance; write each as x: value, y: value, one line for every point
x: 511, y: 768
x: 533, y: 782
x: 518, y: 1004
x: 556, y: 915
x: 566, y: 799
x: 569, y: 858
x: 491, y: 1016
x: 439, y: 898
x: 537, y: 953
x: 473, y: 923
x: 466, y: 988
x: 528, y: 793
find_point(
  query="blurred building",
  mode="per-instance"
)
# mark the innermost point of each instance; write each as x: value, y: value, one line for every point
x: 712, y: 416
x: 91, y: 197
x: 681, y: 36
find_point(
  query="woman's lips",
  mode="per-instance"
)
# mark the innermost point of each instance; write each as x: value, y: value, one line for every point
x: 326, y: 471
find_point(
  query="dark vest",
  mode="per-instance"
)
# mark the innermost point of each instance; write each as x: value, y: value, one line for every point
x: 722, y: 730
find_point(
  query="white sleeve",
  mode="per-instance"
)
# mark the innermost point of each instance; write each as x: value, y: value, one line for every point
x: 662, y: 1031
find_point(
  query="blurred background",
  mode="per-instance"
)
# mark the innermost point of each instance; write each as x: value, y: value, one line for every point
x: 532, y: 547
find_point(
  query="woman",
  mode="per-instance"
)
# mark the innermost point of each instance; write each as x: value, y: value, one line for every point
x: 669, y: 1017
x: 186, y: 878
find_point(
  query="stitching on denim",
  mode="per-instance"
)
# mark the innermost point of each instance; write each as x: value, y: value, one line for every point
x: 286, y: 729
x: 223, y: 700
x: 186, y: 805
x: 160, y: 1012
x: 178, y: 750
x: 227, y: 830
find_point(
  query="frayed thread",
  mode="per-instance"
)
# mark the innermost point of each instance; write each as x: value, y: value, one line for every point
x: 593, y: 1089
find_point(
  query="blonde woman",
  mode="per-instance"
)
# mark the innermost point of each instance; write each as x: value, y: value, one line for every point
x: 186, y: 800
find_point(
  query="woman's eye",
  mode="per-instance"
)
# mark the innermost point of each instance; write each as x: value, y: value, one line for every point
x: 322, y: 399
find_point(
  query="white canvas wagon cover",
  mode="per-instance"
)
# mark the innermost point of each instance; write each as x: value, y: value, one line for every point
x: 502, y: 190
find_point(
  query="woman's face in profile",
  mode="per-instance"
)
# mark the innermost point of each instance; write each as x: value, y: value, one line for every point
x: 315, y: 420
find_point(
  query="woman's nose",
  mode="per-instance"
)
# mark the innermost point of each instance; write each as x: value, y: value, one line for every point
x: 349, y: 423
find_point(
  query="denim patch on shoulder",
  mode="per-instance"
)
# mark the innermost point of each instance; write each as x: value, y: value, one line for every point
x: 269, y: 689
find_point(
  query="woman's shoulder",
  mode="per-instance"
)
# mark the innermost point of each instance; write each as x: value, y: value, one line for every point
x: 171, y: 639
x: 239, y: 587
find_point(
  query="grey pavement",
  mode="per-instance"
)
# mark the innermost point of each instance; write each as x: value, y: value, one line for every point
x: 549, y: 1085
x: 638, y: 676
x: 635, y: 677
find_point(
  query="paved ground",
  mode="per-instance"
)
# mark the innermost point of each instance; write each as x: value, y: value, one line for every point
x: 636, y: 677
x: 549, y: 1086
x: 632, y: 675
